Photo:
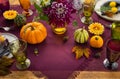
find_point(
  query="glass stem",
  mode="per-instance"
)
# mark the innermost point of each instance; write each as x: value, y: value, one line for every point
x: 110, y: 65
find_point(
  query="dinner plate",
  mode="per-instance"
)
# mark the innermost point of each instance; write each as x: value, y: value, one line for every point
x: 10, y: 37
x: 101, y: 3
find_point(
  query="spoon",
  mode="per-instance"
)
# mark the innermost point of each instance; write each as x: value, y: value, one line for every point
x: 108, y: 26
x: 6, y: 28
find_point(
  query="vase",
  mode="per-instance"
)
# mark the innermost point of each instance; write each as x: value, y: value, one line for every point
x: 59, y: 30
x: 4, y: 5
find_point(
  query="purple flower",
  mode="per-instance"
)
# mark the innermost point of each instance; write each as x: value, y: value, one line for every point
x: 59, y: 13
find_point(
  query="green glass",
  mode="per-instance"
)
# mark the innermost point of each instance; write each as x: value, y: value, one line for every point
x: 115, y: 30
x: 88, y: 11
x: 18, y: 49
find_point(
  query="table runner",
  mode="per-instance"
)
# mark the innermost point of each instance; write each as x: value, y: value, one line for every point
x: 55, y: 58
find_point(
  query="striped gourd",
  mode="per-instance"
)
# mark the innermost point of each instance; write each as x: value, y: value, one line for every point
x: 81, y: 35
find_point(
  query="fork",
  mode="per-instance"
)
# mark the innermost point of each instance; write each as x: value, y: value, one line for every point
x: 6, y: 28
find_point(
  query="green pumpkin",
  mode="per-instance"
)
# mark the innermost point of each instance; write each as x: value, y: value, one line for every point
x: 20, y: 20
x: 81, y: 35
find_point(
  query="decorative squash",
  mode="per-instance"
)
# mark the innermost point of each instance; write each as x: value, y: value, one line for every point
x: 96, y: 41
x: 10, y: 14
x: 20, y: 20
x: 33, y: 32
x: 81, y: 35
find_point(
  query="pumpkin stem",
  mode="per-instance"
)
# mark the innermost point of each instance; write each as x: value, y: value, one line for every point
x: 96, y: 38
x: 83, y: 28
x: 32, y: 28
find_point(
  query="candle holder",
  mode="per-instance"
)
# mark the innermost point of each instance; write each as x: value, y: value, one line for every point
x: 25, y: 4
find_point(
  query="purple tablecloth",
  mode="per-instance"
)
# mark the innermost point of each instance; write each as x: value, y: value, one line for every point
x: 55, y: 59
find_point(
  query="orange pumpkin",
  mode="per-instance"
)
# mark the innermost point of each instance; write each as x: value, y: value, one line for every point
x: 96, y: 41
x: 33, y: 32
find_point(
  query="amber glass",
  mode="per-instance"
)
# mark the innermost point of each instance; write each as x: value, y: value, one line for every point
x: 25, y: 4
x: 59, y: 30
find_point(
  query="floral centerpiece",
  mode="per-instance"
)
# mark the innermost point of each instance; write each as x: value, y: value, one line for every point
x: 56, y: 12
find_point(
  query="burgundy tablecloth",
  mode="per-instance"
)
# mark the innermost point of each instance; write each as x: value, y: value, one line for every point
x: 55, y: 59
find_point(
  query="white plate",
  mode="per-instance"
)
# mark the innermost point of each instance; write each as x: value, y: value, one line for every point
x: 97, y: 10
x: 10, y: 37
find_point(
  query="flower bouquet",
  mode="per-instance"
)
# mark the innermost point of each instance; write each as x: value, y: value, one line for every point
x: 56, y: 12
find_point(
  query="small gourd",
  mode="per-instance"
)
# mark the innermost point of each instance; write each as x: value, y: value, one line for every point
x: 10, y: 14
x: 20, y: 20
x: 81, y: 35
x: 33, y: 32
x: 96, y: 41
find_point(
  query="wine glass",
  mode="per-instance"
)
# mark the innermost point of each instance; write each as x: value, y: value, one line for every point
x: 112, y: 54
x: 88, y: 8
x: 25, y: 4
x: 18, y: 49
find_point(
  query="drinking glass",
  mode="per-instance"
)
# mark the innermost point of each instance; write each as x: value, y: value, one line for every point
x: 112, y: 54
x: 18, y: 49
x: 88, y: 8
x: 25, y: 4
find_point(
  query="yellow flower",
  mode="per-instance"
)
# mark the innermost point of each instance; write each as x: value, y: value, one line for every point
x: 96, y: 28
x: 112, y: 4
x: 10, y: 14
x: 114, y: 9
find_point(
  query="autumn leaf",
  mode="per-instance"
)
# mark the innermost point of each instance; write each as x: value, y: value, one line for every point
x: 74, y: 49
x: 87, y: 52
x: 80, y: 51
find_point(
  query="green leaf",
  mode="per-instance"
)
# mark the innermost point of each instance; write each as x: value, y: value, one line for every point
x: 44, y: 17
x: 38, y: 8
x: 36, y: 18
x: 75, y: 23
x: 105, y: 8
